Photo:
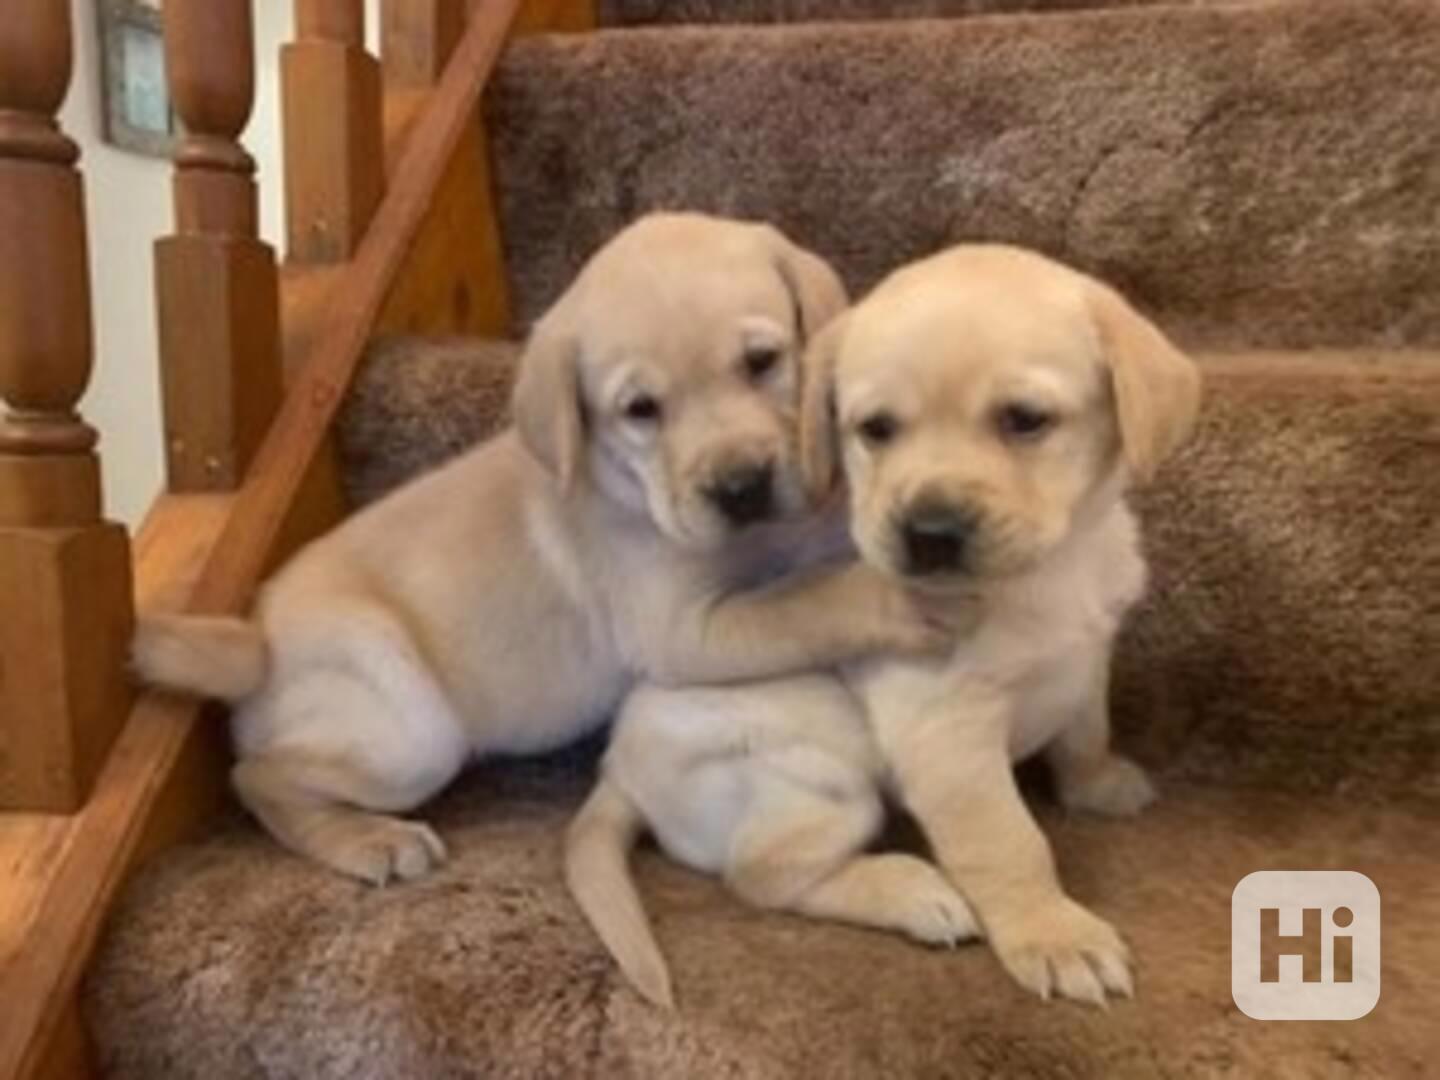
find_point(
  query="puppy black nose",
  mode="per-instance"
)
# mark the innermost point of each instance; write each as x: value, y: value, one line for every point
x: 744, y: 494
x: 936, y: 538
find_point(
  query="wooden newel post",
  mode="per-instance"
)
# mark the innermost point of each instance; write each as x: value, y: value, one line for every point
x: 65, y: 591
x: 216, y: 285
x: 334, y: 150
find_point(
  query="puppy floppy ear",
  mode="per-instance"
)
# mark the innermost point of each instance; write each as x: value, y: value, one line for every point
x: 816, y: 291
x: 819, y: 437
x: 1157, y: 387
x: 546, y: 403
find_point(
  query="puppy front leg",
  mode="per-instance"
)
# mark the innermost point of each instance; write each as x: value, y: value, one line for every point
x: 952, y: 770
x: 821, y: 619
x: 1089, y: 776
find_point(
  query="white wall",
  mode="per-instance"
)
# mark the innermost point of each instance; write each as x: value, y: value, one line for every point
x: 128, y: 204
x: 274, y: 24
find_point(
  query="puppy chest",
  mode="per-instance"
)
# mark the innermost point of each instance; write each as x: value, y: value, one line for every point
x: 1054, y: 696
x: 1023, y: 691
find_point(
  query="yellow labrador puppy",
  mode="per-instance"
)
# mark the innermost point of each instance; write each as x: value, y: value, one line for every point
x: 507, y: 601
x: 990, y: 407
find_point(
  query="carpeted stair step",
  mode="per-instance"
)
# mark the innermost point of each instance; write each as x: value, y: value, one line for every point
x: 1291, y: 632
x: 1260, y: 174
x: 417, y: 402
x: 232, y: 958
x: 671, y: 12
x: 1293, y: 620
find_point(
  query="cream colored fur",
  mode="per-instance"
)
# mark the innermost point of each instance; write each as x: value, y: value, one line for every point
x: 776, y: 786
x: 507, y: 601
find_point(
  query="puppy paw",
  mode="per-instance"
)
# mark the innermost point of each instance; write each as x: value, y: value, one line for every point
x: 1060, y: 949
x: 900, y: 620
x: 1117, y: 787
x: 379, y: 850
x: 926, y: 907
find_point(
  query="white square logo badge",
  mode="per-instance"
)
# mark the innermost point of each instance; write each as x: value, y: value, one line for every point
x: 1305, y: 945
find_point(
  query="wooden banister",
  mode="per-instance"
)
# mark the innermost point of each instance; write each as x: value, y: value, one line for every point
x: 64, y: 572
x: 216, y: 284
x: 430, y: 261
x: 334, y: 155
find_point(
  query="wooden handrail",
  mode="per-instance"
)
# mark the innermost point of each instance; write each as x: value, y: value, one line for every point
x: 64, y: 573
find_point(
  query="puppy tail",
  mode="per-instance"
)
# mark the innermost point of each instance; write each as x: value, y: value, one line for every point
x: 597, y: 854
x: 215, y: 657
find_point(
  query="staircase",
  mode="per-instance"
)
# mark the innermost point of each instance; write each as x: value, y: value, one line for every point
x: 1264, y: 178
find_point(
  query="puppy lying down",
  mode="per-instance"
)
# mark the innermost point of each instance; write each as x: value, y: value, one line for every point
x: 989, y: 408
x: 507, y: 601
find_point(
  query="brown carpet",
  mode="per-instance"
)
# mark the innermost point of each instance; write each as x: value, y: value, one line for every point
x: 1292, y: 632
x: 660, y: 12
x: 1289, y: 644
x: 1261, y: 174
x: 418, y: 402
x: 232, y: 959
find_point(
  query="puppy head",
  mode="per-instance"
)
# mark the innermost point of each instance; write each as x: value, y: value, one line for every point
x: 981, y: 402
x: 668, y: 374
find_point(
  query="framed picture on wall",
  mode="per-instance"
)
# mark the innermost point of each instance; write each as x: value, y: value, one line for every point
x: 136, y: 99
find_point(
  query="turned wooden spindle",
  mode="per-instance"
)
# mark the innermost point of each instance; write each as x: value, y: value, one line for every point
x: 65, y: 591
x: 341, y: 21
x: 417, y: 38
x: 334, y: 153
x: 216, y: 284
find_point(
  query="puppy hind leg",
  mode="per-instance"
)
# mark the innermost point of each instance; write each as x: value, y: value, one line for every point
x: 1089, y: 776
x: 800, y: 854
x: 893, y: 891
x: 793, y: 838
x: 356, y: 729
x: 316, y: 808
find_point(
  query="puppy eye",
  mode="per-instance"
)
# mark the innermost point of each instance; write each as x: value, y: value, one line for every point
x: 878, y: 429
x: 761, y: 360
x: 1017, y: 421
x: 643, y: 408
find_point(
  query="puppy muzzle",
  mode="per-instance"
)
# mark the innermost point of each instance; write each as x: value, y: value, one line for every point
x: 744, y: 494
x: 937, y: 538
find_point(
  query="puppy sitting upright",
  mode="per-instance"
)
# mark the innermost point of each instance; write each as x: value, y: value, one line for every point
x: 990, y: 407
x: 506, y: 602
